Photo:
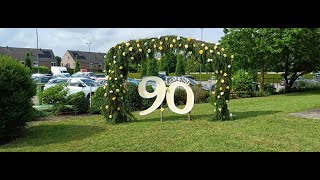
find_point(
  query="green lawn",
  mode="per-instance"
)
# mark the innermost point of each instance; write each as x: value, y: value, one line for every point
x: 261, y: 124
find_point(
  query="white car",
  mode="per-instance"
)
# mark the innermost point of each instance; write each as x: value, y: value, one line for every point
x: 81, y: 84
x: 53, y: 82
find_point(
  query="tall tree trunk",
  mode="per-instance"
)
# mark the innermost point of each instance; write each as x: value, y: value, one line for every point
x: 262, y: 78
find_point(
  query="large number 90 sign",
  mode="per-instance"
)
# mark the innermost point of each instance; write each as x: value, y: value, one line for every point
x: 161, y: 93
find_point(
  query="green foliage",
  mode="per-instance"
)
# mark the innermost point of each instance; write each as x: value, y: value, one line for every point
x: 134, y: 75
x: 97, y: 101
x: 209, y: 67
x: 243, y: 81
x: 152, y: 67
x: 164, y: 64
x: 56, y: 96
x: 143, y: 70
x: 192, y: 65
x: 42, y: 70
x: 28, y: 61
x: 16, y: 91
x: 58, y: 60
x: 137, y: 51
x: 79, y: 102
x: 180, y: 68
x: 200, y: 95
x: 77, y: 66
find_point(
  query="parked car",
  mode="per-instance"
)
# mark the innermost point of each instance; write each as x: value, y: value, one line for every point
x: 100, y: 75
x: 41, y: 78
x: 212, y: 82
x: 81, y: 84
x: 53, y: 82
x: 189, y: 76
x: 101, y: 81
x: 89, y: 75
x: 134, y: 81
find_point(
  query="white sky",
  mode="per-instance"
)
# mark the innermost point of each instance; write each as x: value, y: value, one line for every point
x: 62, y: 39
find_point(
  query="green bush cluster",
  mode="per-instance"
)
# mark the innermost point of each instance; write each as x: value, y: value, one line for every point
x: 17, y: 90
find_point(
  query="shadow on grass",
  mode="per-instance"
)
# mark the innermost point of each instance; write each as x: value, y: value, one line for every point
x: 51, y: 134
x: 209, y: 116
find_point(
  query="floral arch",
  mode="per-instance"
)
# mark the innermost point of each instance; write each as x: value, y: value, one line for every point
x: 117, y: 62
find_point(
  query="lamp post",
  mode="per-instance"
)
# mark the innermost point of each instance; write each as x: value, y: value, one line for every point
x: 200, y: 58
x: 37, y: 49
x: 89, y: 43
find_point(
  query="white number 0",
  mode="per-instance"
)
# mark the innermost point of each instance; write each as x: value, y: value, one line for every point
x: 160, y: 92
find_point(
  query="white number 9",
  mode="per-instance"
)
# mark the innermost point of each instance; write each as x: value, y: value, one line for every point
x: 160, y: 92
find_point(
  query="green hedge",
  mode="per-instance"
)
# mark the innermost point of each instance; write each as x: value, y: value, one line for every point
x: 16, y: 91
x: 79, y: 102
x: 42, y: 70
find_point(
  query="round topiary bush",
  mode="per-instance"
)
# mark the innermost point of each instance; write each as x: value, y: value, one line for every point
x: 16, y: 91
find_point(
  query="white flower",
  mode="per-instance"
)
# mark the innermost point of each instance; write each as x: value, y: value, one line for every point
x: 222, y: 93
x: 186, y: 46
x: 215, y: 104
x: 232, y: 56
x: 218, y: 53
x: 104, y: 87
x: 127, y: 44
x: 229, y: 66
x: 115, y: 79
x: 149, y: 50
x: 210, y: 60
x: 105, y: 56
x: 145, y: 43
x: 218, y: 97
x: 206, y: 48
x: 117, y: 90
x: 111, y: 91
x: 227, y: 101
x: 211, y: 51
x: 159, y: 37
x: 153, y: 40
x: 202, y: 44
x: 178, y: 38
x: 124, y: 54
x: 217, y: 43
x: 231, y: 115
x: 214, y: 110
x: 105, y: 94
x: 114, y: 62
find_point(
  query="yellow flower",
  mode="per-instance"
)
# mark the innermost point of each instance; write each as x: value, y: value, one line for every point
x: 138, y: 45
x: 189, y: 39
x: 194, y: 45
x: 114, y: 46
x: 225, y: 74
x: 114, y: 98
x: 227, y: 87
x: 107, y: 106
x: 222, y: 49
x: 100, y: 107
x: 110, y: 78
x: 213, y: 92
x: 140, y: 50
x: 159, y: 59
x: 186, y: 46
x: 127, y: 44
x: 222, y: 93
x: 161, y: 109
x: 166, y: 38
x: 222, y: 80
x: 220, y: 109
x: 201, y: 51
x: 114, y: 62
x: 161, y: 42
x: 118, y: 108
x: 120, y: 67
x: 124, y: 91
x: 215, y: 47
x: 221, y: 71
x: 154, y: 46
x: 224, y: 55
x: 217, y: 81
x: 117, y: 90
x: 109, y: 70
x: 110, y: 64
x: 132, y: 58
x: 137, y: 40
x: 202, y: 44
x: 121, y: 76
x: 218, y: 53
x: 110, y: 116
x: 124, y: 54
x: 119, y: 47
x: 112, y: 71
x: 171, y: 45
x: 211, y: 51
x: 190, y: 52
x: 232, y: 56
x: 206, y: 48
x: 220, y: 88
x: 130, y: 49
x: 153, y: 40
x: 160, y: 48
x: 174, y: 40
x: 217, y: 71
x: 149, y: 50
x: 105, y: 94
x: 180, y: 45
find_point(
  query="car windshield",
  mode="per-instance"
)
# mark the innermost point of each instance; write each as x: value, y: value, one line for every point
x: 89, y: 82
x: 77, y: 75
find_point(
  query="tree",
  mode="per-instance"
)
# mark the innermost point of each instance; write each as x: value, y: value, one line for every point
x: 77, y: 67
x: 209, y: 67
x: 143, y: 69
x: 28, y: 61
x: 58, y: 60
x: 190, y: 65
x: 180, y: 67
x: 152, y: 67
x: 252, y: 48
x: 164, y: 64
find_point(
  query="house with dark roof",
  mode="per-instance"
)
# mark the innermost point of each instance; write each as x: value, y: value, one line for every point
x: 46, y: 56
x: 96, y: 60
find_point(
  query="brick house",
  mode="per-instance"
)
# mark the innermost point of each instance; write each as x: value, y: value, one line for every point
x: 96, y: 60
x: 46, y: 56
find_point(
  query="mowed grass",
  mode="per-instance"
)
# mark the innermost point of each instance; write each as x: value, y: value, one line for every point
x: 260, y: 124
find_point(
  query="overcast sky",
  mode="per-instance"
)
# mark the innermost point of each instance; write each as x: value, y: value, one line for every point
x: 62, y: 39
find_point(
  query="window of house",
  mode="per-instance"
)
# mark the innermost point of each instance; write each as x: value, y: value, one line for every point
x: 53, y: 63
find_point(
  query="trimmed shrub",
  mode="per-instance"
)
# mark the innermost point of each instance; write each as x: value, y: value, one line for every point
x: 16, y: 91
x: 200, y: 95
x: 79, y: 102
x: 56, y: 96
x: 42, y: 70
x: 134, y: 101
x: 97, y: 101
